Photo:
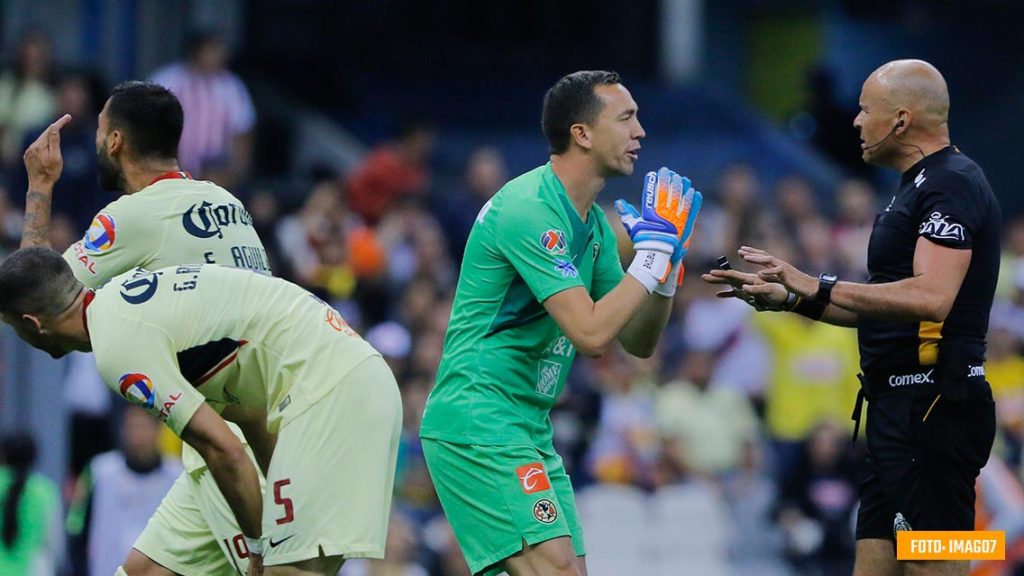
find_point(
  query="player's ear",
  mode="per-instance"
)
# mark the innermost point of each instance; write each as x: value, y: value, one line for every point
x: 580, y: 134
x: 32, y: 321
x: 114, y: 142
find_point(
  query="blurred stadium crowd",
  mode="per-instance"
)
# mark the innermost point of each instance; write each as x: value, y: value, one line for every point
x: 728, y: 452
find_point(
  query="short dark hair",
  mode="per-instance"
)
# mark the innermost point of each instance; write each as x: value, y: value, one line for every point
x: 572, y: 100
x: 36, y: 280
x: 151, y: 117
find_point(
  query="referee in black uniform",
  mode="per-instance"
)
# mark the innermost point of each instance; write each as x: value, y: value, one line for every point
x: 921, y: 319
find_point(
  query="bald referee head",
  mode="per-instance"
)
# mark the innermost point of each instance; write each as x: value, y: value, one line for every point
x: 904, y: 114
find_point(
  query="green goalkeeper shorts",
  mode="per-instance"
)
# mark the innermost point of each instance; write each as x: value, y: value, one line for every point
x: 497, y: 497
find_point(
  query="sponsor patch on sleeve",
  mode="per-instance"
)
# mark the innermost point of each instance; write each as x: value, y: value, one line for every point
x: 101, y: 235
x: 553, y: 241
x: 137, y: 388
x: 938, y: 226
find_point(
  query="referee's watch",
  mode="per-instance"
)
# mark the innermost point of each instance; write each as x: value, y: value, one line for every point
x: 825, y: 284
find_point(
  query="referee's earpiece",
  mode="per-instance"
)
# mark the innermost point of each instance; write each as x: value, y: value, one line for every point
x: 898, y: 124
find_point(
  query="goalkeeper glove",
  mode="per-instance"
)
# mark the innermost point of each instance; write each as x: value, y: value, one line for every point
x: 692, y: 202
x: 656, y: 230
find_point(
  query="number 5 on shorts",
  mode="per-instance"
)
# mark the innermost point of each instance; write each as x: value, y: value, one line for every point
x: 289, y: 512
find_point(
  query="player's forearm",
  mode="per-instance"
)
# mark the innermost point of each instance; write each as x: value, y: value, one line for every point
x: 35, y: 230
x: 236, y: 477
x: 641, y: 334
x: 593, y: 326
x: 840, y: 317
x: 908, y: 300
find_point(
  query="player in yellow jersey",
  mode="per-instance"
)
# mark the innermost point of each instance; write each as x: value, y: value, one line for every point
x: 295, y: 373
x: 163, y: 217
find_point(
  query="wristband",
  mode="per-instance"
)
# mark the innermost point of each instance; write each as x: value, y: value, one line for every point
x: 787, y: 306
x: 668, y: 287
x: 254, y: 545
x: 791, y: 301
x: 650, y: 268
x: 825, y: 284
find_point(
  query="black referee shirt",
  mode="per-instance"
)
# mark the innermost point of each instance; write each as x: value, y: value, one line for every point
x: 945, y: 198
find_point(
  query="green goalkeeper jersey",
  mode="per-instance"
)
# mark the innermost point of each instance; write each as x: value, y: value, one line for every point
x: 505, y: 359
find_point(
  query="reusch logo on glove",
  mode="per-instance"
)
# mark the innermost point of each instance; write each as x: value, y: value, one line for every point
x: 649, y: 186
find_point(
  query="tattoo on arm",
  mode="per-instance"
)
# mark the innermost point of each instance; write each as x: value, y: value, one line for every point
x: 36, y: 229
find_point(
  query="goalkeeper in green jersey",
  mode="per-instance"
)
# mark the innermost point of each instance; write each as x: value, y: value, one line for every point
x: 541, y: 279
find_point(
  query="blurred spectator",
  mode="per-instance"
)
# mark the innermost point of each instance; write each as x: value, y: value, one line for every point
x: 79, y: 195
x: 709, y: 428
x: 1000, y: 506
x: 817, y: 503
x: 30, y: 542
x: 852, y: 229
x: 813, y: 379
x: 88, y: 402
x: 414, y: 493
x: 116, y: 495
x: 1012, y: 257
x: 10, y: 224
x: 1009, y: 312
x: 814, y: 244
x: 399, y: 556
x: 795, y: 202
x: 416, y: 248
x: 26, y: 93
x: 732, y: 216
x: 391, y: 172
x: 626, y: 446
x: 217, y: 139
x: 313, y: 240
x: 264, y: 209
x: 833, y: 121
x: 393, y: 342
x: 440, y: 540
x: 62, y: 232
x: 755, y: 543
x: 456, y: 210
x: 725, y: 326
x: 1004, y: 370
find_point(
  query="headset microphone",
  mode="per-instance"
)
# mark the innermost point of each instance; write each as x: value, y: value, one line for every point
x: 890, y: 135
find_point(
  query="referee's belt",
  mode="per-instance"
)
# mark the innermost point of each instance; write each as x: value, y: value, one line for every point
x: 896, y: 381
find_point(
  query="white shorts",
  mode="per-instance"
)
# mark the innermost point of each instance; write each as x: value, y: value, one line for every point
x: 193, y: 532
x: 331, y: 477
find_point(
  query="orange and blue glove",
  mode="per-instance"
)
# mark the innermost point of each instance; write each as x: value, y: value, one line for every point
x: 656, y: 231
x: 692, y: 200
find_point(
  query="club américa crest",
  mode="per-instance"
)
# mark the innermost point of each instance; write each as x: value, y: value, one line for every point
x: 544, y: 511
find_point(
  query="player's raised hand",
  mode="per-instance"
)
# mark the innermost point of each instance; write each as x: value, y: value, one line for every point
x: 43, y: 160
x: 692, y: 202
x: 775, y: 270
x: 661, y: 219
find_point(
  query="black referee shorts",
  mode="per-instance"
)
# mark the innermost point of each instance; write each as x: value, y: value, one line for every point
x: 923, y: 458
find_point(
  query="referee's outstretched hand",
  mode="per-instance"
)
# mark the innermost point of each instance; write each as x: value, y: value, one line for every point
x: 43, y: 160
x: 748, y: 287
x: 773, y: 269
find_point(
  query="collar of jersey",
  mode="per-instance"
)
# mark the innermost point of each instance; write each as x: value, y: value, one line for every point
x: 173, y: 175
x: 912, y: 172
x: 90, y: 294
x: 563, y: 196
